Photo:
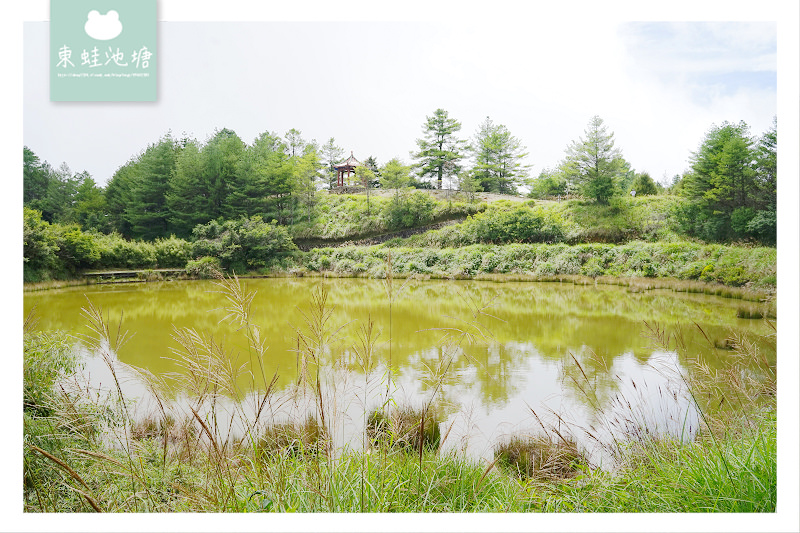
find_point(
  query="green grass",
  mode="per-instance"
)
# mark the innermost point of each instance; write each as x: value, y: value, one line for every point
x: 624, y: 219
x: 350, y: 216
x: 734, y: 474
x: 732, y: 266
x: 396, y: 482
x: 663, y: 477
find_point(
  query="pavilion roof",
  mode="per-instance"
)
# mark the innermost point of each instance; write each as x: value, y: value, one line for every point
x: 349, y: 162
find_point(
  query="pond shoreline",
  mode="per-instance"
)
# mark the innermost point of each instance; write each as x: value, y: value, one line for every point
x: 634, y: 284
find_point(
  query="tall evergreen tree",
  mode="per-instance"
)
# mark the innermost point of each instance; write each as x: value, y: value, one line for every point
x: 59, y: 198
x: 440, y: 151
x: 294, y: 142
x: 307, y: 173
x: 147, y: 211
x: 365, y: 177
x: 118, y: 194
x: 35, y: 176
x: 220, y: 160
x: 644, y: 185
x: 330, y: 155
x: 276, y: 174
x: 247, y: 195
x: 267, y: 142
x: 372, y: 164
x: 395, y: 175
x: 550, y: 182
x: 90, y: 210
x: 498, y: 159
x: 206, y: 183
x: 188, y: 198
x: 766, y: 156
x: 731, y: 185
x: 594, y: 164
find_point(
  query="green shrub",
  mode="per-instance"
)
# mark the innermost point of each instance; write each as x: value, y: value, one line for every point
x: 593, y: 267
x: 342, y: 216
x: 318, y: 261
x: 76, y: 250
x: 740, y: 218
x: 203, y: 268
x: 172, y: 252
x: 40, y: 247
x: 730, y: 265
x: 289, y: 438
x: 764, y: 226
x: 541, y: 457
x: 56, y: 250
x: 118, y: 252
x: 518, y: 224
x: 46, y: 356
x: 244, y: 244
x: 412, y: 209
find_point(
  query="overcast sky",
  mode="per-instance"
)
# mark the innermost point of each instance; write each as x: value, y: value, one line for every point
x: 659, y: 86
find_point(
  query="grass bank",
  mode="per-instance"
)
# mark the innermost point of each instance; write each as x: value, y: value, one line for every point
x: 89, y: 451
x: 732, y: 266
x: 630, y: 238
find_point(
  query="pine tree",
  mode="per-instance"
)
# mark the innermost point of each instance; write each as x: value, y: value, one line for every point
x: 188, y: 199
x: 731, y: 185
x: 118, y: 193
x: 330, y: 155
x: 147, y: 211
x: 306, y: 175
x: 439, y: 149
x: 593, y: 163
x: 35, y: 176
x: 498, y: 159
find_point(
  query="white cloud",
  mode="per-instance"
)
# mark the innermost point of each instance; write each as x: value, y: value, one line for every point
x: 371, y: 85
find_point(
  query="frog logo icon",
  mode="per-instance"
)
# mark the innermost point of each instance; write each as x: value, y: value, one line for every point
x: 103, y: 27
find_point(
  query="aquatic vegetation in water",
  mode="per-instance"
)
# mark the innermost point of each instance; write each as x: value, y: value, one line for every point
x: 404, y: 428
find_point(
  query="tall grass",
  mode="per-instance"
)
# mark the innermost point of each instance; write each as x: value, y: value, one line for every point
x: 728, y: 464
x: 208, y: 440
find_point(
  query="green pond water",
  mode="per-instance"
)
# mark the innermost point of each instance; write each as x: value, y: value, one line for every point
x: 584, y: 352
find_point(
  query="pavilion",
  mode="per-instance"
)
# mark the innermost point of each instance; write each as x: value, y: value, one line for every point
x: 348, y: 166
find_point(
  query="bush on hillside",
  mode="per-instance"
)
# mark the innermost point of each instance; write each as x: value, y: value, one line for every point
x: 411, y: 209
x: 244, y: 244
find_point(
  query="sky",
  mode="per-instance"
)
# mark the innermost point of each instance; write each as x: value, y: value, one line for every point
x: 368, y: 73
x: 658, y: 86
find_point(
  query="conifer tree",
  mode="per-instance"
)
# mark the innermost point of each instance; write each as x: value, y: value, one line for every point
x: 439, y: 149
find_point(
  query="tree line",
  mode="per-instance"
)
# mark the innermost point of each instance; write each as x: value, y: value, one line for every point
x: 730, y: 188
x: 176, y: 184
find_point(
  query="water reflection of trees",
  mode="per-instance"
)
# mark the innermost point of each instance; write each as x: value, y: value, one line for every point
x: 556, y: 319
x: 490, y: 372
x: 586, y: 378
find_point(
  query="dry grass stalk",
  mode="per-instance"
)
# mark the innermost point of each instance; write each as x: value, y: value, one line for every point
x: 72, y: 474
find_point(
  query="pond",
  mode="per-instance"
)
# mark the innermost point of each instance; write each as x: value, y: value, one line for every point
x: 492, y: 359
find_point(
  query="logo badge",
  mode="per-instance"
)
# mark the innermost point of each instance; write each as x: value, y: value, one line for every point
x: 103, y: 51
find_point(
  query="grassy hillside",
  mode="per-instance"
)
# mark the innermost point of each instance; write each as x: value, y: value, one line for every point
x: 629, y: 238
